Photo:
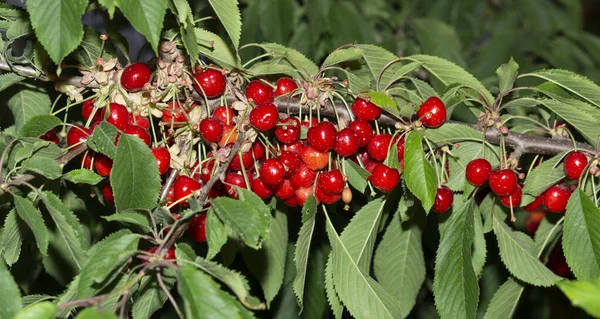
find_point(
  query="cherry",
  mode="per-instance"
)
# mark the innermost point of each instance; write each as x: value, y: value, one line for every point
x: 139, y: 120
x: 295, y: 147
x: 170, y: 255
x: 139, y: 132
x: 400, y: 147
x: 443, y: 199
x: 556, y: 198
x: 302, y: 194
x: 533, y: 220
x: 379, y: 146
x: 232, y: 180
x: 516, y: 197
x: 304, y: 177
x: 77, y: 135
x: 174, y: 113
x: 197, y: 228
x: 118, y: 115
x: 574, y: 165
x: 230, y: 134
x: 384, y: 178
x: 107, y: 192
x: 285, y: 190
x: 224, y: 114
x: 259, y: 92
x: 134, y: 76
x: 503, y: 182
x: 432, y: 112
x: 537, y: 202
x: 292, y: 202
x: 87, y: 108
x: 346, y: 142
x: 288, y: 131
x: 327, y: 198
x: 478, y: 171
x: 307, y: 124
x: 163, y: 158
x: 363, y: 130
x: 371, y: 166
x: 291, y: 161
x: 184, y: 186
x: 260, y: 189
x: 246, y: 161
x: 314, y: 159
x: 86, y: 159
x: 272, y: 172
x: 211, y: 129
x: 103, y: 164
x: 207, y: 168
x: 258, y: 150
x: 285, y: 86
x: 209, y: 82
x: 365, y: 110
x: 322, y: 136
x: 331, y: 182
x: 50, y: 136
x: 264, y: 117
x: 347, y: 195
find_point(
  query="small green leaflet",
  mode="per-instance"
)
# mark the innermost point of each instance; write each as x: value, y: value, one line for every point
x: 33, y: 218
x: 28, y: 102
x: 229, y: 15
x: 357, y: 176
x: 212, y: 46
x: 342, y: 55
x: 135, y: 218
x: 146, y: 16
x: 150, y: 296
x: 507, y: 74
x: 302, y: 249
x: 39, y: 125
x: 8, y: 79
x: 42, y: 166
x: 12, y: 238
x: 384, y: 101
x: 418, y: 172
x: 103, y: 139
x: 584, y: 294
x: 216, y: 234
x: 82, y: 176
x: 546, y: 174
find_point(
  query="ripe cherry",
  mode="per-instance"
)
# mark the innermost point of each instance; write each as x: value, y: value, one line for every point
x: 515, y: 197
x: 365, y: 110
x: 103, y: 164
x: 291, y: 161
x: 139, y: 120
x: 379, y: 146
x: 86, y: 159
x: 211, y: 129
x: 207, y: 168
x: 443, y: 199
x: 314, y: 159
x: 370, y: 166
x: 384, y: 178
x: 503, y: 182
x: 258, y: 150
x: 285, y: 87
x: 363, y: 130
x: 259, y: 92
x: 264, y: 117
x: 229, y: 135
x: 50, y: 136
x: 170, y: 255
x: 107, y: 192
x: 302, y: 194
x: 77, y: 135
x: 556, y: 198
x: 139, y: 132
x: 232, y: 180
x: 197, y: 228
x: 478, y: 171
x: 288, y: 131
x: 304, y: 177
x: 210, y: 82
x: 272, y: 172
x: 246, y: 161
x: 292, y: 202
x: 537, y: 202
x: 432, y: 112
x: 295, y: 147
x: 308, y: 124
x: 574, y: 165
x: 285, y: 190
x: 327, y: 198
x: 134, y: 76
x: 259, y: 188
x: 184, y: 186
x: 175, y: 114
x: 400, y: 147
x: 224, y: 114
x: 87, y: 108
x: 163, y: 158
x: 118, y: 115
x: 346, y: 142
x: 331, y: 182
x: 322, y: 136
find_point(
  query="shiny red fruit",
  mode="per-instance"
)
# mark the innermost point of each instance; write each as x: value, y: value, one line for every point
x: 400, y: 147
x: 50, y: 136
x: 211, y: 129
x: 135, y: 76
x: 259, y: 188
x: 207, y: 168
x: 87, y: 108
x: 308, y: 124
x: 515, y: 197
x: 175, y: 113
x: 118, y: 116
x: 326, y: 198
x: 314, y: 159
x: 291, y: 161
x: 285, y: 190
x: 264, y: 117
x: 288, y: 130
x: 302, y: 194
x: 260, y: 92
x: 503, y: 182
x: 242, y: 159
x: 574, y: 165
x: 102, y: 164
x: 443, y: 199
x: 304, y: 177
x: 285, y: 87
x: 384, y: 178
x: 139, y: 132
x: 478, y: 171
x: 379, y: 146
x: 170, y: 255
x: 197, y: 228
x: 346, y: 143
x: 272, y: 172
x: 322, y: 136
x: 107, y: 192
x: 163, y: 159
x: 363, y: 130
x: 331, y: 182
x: 183, y: 187
x: 86, y: 159
x: 77, y: 135
x: 537, y: 202
x: 432, y: 112
x: 365, y: 110
x: 295, y: 147
x: 224, y: 114
x: 258, y: 150
x: 232, y: 180
x: 556, y: 198
x: 210, y: 82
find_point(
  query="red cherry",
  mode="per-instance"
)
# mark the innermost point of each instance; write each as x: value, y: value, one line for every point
x: 370, y: 167
x: 87, y: 108
x: 86, y: 159
x: 346, y: 142
x: 175, y: 113
x: 365, y: 110
x: 304, y: 177
x: 207, y: 169
x: 138, y: 132
x: 307, y: 124
x: 322, y: 136
x: 170, y: 255
x: 211, y: 129
x: 400, y: 147
x: 118, y: 115
x: 103, y: 164
x: 224, y: 114
x: 384, y: 178
x: 288, y: 131
x: 264, y: 117
x: 516, y: 197
x: 432, y: 112
x: 107, y: 192
x: 379, y: 146
x: 363, y: 130
x: 574, y: 165
x: 231, y: 180
x: 503, y: 182
x: 230, y: 134
x: 260, y: 189
x: 183, y: 187
x: 314, y: 159
x: 285, y: 190
x: 272, y: 172
x: 331, y: 182
x: 443, y: 199
x: 326, y: 198
x: 556, y: 198
x: 285, y: 86
x: 295, y: 147
x: 139, y: 120
x: 258, y: 150
x: 135, y: 76
x: 163, y: 158
x: 302, y: 194
x: 537, y: 202
x: 259, y: 92
x: 246, y: 161
x: 291, y: 161
x: 77, y: 135
x: 291, y: 202
x: 478, y: 171
x: 210, y: 82
x: 197, y: 228
x: 50, y: 136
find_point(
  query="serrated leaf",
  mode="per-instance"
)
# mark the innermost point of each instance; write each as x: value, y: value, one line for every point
x: 57, y: 24
x: 12, y: 238
x: 357, y: 176
x: 583, y: 294
x: 376, y: 59
x: 314, y: 290
x: 455, y: 282
x: 42, y: 310
x: 212, y: 46
x: 582, y: 116
x: 33, y: 218
x: 301, y: 63
x: 452, y: 133
x: 150, y: 296
x: 42, y: 166
x: 342, y: 55
x: 439, y: 39
x: 27, y: 102
x: 134, y: 177
x: 146, y: 16
x: 546, y: 174
x: 9, y: 79
x: 92, y: 48
x: 139, y: 219
x: 358, y: 80
x: 11, y: 302
x: 229, y: 15
x: 188, y: 36
x: 518, y: 254
x: 216, y: 234
x: 418, y: 172
x: 82, y: 176
x: 507, y: 74
x: 103, y: 138
x: 405, y: 69
x: 270, y: 67
x: 479, y: 243
x: 31, y: 299
x: 425, y: 90
x: 39, y: 125
x: 581, y: 236
x: 384, y: 101
x: 546, y: 233
x: 302, y: 249
x: 505, y: 300
x: 572, y: 82
x: 109, y: 5
x: 332, y: 298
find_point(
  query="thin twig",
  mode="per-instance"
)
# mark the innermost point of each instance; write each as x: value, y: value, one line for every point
x: 168, y: 293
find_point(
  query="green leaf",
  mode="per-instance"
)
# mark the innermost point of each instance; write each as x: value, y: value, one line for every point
x: 425, y: 90
x: 249, y: 216
x: 109, y: 5
x: 343, y: 55
x: 505, y: 300
x: 364, y: 297
x: 462, y: 156
x: 376, y: 59
x: 302, y: 250
x: 451, y: 133
x: 150, y: 296
x: 268, y: 266
x: 332, y: 297
x: 507, y: 74
x: 439, y: 39
x: 546, y: 233
x: 188, y: 36
x: 94, y: 313
x: 92, y: 48
x: 57, y: 24
x: 583, y: 294
x: 270, y: 67
x: 9, y: 79
x: 139, y: 219
x: 304, y: 66
x: 216, y: 234
x: 399, y: 264
x: 455, y: 283
x: 581, y: 236
x: 33, y: 218
x: 103, y: 138
x: 546, y: 174
x: 418, y: 172
x: 357, y: 176
x: 572, y: 82
x: 134, y: 177
x: 82, y: 176
x: 27, y: 102
x: 384, y: 101
x: 212, y: 46
x: 358, y: 80
x: 39, y: 125
x: 12, y: 238
x: 518, y: 254
x: 405, y: 69
x: 42, y: 310
x: 479, y: 243
x: 582, y: 116
x: 11, y: 302
x: 229, y: 15
x: 146, y: 16
x: 42, y: 166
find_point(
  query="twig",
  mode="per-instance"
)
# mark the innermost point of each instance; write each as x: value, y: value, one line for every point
x: 171, y: 299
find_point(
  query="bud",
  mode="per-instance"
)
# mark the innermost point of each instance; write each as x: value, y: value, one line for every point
x: 503, y: 129
x: 104, y: 37
x: 347, y: 195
